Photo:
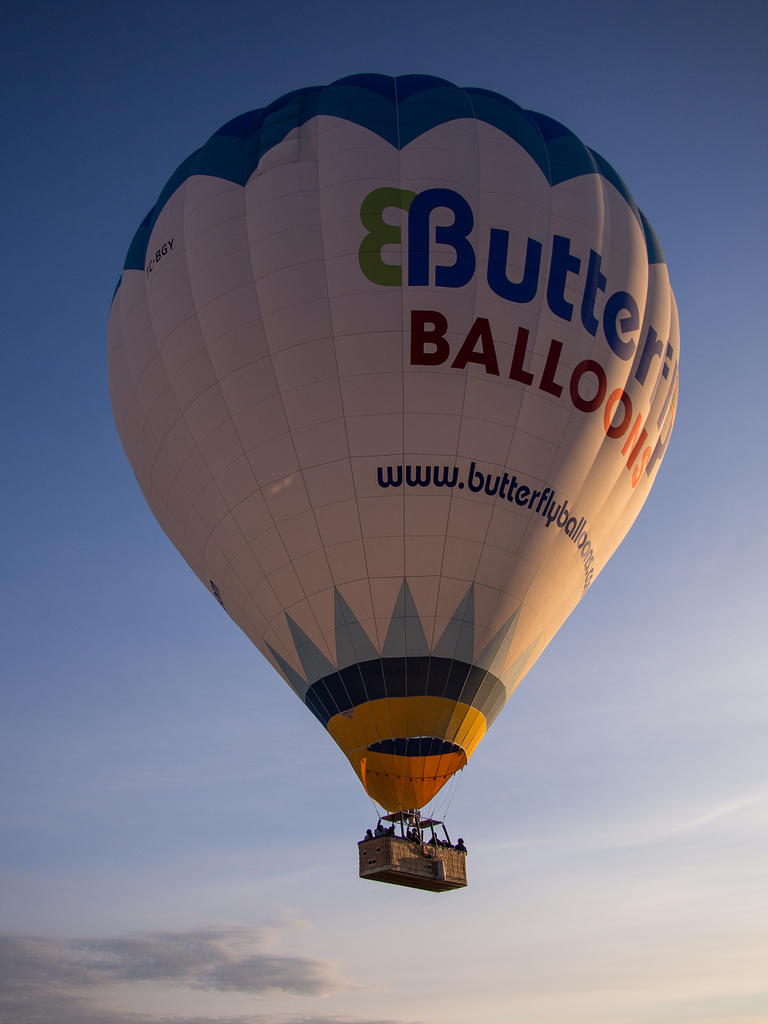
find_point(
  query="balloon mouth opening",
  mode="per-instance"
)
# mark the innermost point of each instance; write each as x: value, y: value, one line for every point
x: 415, y: 746
x: 403, y: 773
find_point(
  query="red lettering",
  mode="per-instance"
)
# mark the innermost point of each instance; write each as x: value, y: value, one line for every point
x: 634, y: 443
x: 479, y: 331
x: 638, y: 471
x: 619, y: 395
x: 421, y: 338
x: 588, y: 404
x: 516, y: 371
x: 547, y: 382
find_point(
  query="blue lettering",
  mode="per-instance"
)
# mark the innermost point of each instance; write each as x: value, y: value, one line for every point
x: 621, y: 318
x: 595, y: 282
x: 455, y: 235
x: 561, y: 264
x: 498, y: 254
x: 618, y: 302
x: 392, y: 479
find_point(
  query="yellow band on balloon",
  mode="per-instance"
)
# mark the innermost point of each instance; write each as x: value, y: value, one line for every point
x: 397, y: 781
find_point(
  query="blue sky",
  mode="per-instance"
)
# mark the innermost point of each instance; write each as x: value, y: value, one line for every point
x: 156, y: 863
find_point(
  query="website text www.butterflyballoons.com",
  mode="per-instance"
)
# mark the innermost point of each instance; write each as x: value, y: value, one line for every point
x: 504, y: 487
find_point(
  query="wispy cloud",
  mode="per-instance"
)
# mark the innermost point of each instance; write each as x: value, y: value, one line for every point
x: 656, y: 824
x: 708, y: 816
x: 69, y: 980
x: 224, y: 959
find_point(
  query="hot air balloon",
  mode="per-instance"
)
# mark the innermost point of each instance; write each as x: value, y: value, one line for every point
x: 395, y: 364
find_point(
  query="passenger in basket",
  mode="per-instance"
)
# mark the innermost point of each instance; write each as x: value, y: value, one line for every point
x: 460, y: 846
x: 368, y: 835
x: 380, y: 830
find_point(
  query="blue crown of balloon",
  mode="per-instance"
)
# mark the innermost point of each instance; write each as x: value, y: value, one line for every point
x: 398, y: 110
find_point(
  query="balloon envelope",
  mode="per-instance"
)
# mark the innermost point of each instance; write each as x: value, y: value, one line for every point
x: 395, y: 365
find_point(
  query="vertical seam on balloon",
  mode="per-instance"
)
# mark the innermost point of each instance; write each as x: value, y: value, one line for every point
x: 575, y: 416
x: 520, y: 599
x: 431, y: 638
x: 434, y: 638
x: 403, y: 336
x: 535, y: 314
x: 609, y: 541
x: 471, y: 583
x: 145, y: 298
x: 403, y: 370
x: 312, y: 122
x: 382, y: 640
x: 136, y: 397
x: 135, y: 387
x: 343, y: 415
x: 181, y: 189
x: 217, y: 385
x: 156, y: 217
x: 283, y: 611
x: 618, y: 474
x: 560, y: 448
x: 476, y: 277
x: 601, y: 185
x: 536, y: 317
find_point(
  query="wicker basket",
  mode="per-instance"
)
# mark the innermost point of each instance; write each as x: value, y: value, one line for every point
x: 418, y: 865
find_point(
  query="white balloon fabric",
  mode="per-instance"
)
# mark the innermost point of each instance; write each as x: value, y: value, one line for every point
x: 395, y: 364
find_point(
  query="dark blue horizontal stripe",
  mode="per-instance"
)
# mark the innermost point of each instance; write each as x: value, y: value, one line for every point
x: 405, y: 677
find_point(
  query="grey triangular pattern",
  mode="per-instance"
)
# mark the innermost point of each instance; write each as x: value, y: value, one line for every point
x: 458, y: 639
x: 314, y: 662
x: 515, y: 670
x: 405, y: 636
x: 495, y: 652
x: 352, y: 642
x: 295, y: 681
